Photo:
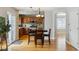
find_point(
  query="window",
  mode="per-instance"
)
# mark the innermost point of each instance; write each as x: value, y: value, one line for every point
x: 61, y: 21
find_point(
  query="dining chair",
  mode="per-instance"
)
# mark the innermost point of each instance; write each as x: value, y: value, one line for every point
x: 30, y: 33
x: 22, y: 31
x: 39, y: 36
x: 48, y: 35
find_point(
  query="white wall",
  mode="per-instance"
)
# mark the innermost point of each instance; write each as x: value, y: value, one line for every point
x: 48, y: 22
x: 3, y: 11
x: 73, y: 27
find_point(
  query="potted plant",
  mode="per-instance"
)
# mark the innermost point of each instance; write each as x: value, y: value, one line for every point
x: 4, y: 28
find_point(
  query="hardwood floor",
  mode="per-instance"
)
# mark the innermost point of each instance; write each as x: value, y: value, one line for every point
x: 31, y: 47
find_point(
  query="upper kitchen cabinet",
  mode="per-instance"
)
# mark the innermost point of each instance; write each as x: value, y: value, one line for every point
x: 31, y: 21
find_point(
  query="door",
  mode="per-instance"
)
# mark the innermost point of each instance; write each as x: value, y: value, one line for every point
x: 12, y: 32
x: 13, y: 22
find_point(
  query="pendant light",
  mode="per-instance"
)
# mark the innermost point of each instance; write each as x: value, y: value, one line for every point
x: 39, y: 14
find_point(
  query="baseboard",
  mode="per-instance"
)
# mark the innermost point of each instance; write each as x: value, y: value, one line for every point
x: 72, y: 45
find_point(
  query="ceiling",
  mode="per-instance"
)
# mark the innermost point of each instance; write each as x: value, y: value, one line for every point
x: 32, y: 10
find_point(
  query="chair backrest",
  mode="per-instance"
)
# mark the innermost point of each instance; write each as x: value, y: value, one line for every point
x: 22, y: 31
x: 49, y: 31
x: 39, y: 34
x: 31, y: 32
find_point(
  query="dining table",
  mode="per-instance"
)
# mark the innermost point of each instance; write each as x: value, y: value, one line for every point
x: 31, y: 32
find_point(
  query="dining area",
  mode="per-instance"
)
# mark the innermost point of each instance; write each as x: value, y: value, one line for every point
x: 43, y: 33
x: 33, y: 26
x: 39, y: 40
x: 34, y: 40
x: 39, y: 34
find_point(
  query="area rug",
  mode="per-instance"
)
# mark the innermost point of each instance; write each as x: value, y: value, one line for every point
x: 17, y: 42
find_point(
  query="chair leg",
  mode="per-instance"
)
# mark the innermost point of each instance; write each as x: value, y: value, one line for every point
x: 35, y: 42
x: 42, y: 42
x: 49, y: 40
x: 28, y: 39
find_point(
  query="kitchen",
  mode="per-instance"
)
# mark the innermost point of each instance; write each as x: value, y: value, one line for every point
x: 29, y: 22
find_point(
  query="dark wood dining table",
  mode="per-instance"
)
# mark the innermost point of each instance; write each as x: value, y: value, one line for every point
x: 31, y: 30
x: 32, y: 33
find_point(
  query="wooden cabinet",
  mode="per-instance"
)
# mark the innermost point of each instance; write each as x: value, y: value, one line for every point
x: 27, y: 19
x: 32, y: 21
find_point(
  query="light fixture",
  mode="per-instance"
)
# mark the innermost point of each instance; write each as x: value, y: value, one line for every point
x: 39, y: 14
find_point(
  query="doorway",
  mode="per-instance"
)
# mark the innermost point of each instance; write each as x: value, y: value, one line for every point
x: 61, y: 30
